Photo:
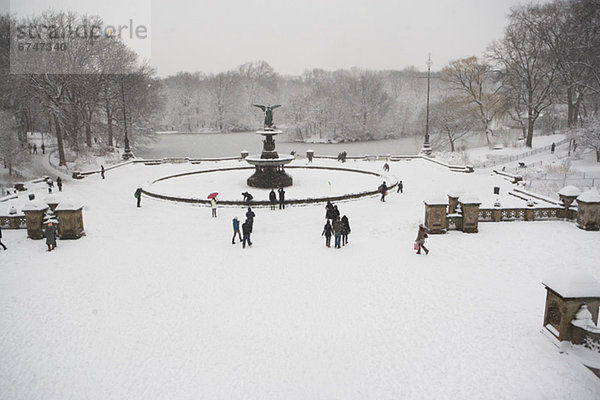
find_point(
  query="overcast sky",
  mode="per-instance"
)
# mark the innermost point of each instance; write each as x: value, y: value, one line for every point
x: 292, y: 36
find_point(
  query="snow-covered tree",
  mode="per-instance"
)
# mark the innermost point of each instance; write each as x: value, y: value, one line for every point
x: 588, y: 136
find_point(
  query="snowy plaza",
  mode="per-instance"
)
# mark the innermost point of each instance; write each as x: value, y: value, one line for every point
x: 155, y: 302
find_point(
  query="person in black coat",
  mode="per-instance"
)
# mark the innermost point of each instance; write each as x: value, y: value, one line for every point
x: 335, y: 213
x: 138, y: 196
x: 246, y: 231
x: 1, y: 244
x: 400, y: 188
x: 273, y: 199
x: 345, y: 230
x: 59, y: 183
x: 327, y: 232
x: 281, y: 198
x: 50, y: 234
x: 247, y: 197
x: 102, y: 171
x: 383, y: 190
x: 250, y: 218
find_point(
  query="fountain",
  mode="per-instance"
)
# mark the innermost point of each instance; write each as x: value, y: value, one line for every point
x: 269, y: 165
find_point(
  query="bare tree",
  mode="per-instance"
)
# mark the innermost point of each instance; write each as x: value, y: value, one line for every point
x: 477, y: 83
x: 526, y: 70
x: 454, y: 117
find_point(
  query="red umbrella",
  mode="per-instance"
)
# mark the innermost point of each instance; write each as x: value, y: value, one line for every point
x: 213, y: 195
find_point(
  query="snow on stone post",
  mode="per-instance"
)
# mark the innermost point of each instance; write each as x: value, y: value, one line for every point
x: 567, y: 196
x: 588, y: 210
x: 470, y: 210
x: 453, y: 201
x: 34, y: 215
x: 435, y: 215
x: 565, y: 294
x: 70, y: 218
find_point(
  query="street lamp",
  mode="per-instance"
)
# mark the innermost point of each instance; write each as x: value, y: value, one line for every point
x: 426, y: 146
x: 127, y: 154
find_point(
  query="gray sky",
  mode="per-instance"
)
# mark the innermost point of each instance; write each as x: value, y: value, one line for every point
x: 292, y: 36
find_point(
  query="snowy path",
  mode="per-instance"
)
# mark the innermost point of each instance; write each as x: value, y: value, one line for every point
x: 157, y: 303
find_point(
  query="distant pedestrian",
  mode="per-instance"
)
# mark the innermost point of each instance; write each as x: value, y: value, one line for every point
x: 247, y: 231
x: 250, y: 218
x: 552, y: 148
x: 138, y: 196
x: 50, y: 233
x: 400, y: 187
x: 337, y: 232
x: 281, y: 198
x: 335, y: 213
x: 329, y: 210
x: 1, y: 244
x: 273, y: 199
x: 420, y: 241
x: 327, y: 232
x: 247, y: 197
x: 59, y: 183
x: 34, y: 148
x: 236, y: 230
x: 386, y: 167
x: 309, y: 155
x: 345, y: 230
x: 30, y: 148
x: 102, y: 171
x: 50, y: 184
x: 43, y: 148
x: 383, y: 190
x: 213, y: 206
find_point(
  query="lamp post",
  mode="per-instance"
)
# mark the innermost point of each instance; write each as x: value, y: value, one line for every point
x: 426, y: 145
x: 127, y: 154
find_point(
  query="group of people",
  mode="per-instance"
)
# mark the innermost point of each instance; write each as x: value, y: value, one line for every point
x: 50, y: 184
x: 274, y: 198
x: 33, y: 148
x: 342, y: 156
x: 339, y: 228
x: 247, y: 227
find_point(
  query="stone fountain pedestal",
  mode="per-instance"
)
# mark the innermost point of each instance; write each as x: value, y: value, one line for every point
x: 269, y: 172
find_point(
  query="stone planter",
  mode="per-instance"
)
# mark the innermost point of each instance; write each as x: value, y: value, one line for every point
x: 70, y: 218
x: 34, y: 215
x: 588, y: 210
x: 565, y: 294
x: 470, y: 211
x: 435, y: 215
x: 567, y: 195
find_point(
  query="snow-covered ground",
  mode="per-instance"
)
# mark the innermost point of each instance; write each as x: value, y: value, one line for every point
x: 155, y: 302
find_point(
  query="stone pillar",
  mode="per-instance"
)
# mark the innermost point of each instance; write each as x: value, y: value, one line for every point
x: 51, y: 201
x: 70, y: 220
x: 34, y: 215
x: 470, y: 210
x: 565, y: 294
x: 567, y: 195
x: 435, y: 215
x: 452, y: 203
x: 588, y: 210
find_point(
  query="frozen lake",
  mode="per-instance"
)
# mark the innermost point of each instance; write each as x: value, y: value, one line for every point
x: 230, y: 144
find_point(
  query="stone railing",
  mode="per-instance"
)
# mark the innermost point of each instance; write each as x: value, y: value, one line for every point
x: 524, y: 214
x: 16, y: 221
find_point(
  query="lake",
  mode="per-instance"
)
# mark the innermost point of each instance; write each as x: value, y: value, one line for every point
x: 231, y: 144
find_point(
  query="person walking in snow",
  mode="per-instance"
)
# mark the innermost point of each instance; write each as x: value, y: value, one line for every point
x: 273, y: 199
x: 386, y: 167
x: 281, y: 198
x: 327, y: 232
x: 335, y: 213
x: 236, y: 230
x: 552, y: 148
x: 102, y: 171
x: 43, y: 148
x: 337, y: 232
x: 138, y: 196
x: 59, y: 183
x: 247, y: 231
x: 329, y: 210
x: 1, y: 244
x: 400, y: 188
x: 250, y: 218
x: 383, y: 190
x: 50, y: 233
x: 345, y: 230
x: 34, y: 148
x: 213, y: 206
x: 420, y: 241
